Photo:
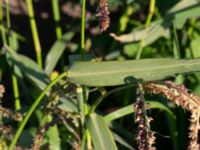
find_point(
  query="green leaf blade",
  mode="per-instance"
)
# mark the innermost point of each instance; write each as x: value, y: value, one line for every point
x: 111, y: 73
x: 100, y: 133
x: 56, y: 52
x: 30, y: 70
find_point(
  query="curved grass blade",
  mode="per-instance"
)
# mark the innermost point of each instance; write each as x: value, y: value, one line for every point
x: 29, y: 68
x: 171, y: 118
x: 56, y: 51
x: 122, y: 141
x: 101, y: 136
x: 111, y: 73
x: 129, y: 110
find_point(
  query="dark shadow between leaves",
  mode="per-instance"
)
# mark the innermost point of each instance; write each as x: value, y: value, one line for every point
x: 132, y: 80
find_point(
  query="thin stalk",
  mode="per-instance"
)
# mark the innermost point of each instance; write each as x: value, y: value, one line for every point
x: 104, y: 93
x: 89, y: 141
x: 85, y: 107
x: 56, y: 16
x: 83, y: 29
x: 14, y: 79
x: 177, y: 54
x: 58, y: 29
x: 176, y: 46
x: 147, y: 23
x: 151, y: 12
x: 34, y: 30
x: 33, y: 107
x: 80, y: 98
x: 16, y: 92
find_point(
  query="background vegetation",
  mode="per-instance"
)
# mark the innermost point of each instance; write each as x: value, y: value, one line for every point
x: 46, y: 105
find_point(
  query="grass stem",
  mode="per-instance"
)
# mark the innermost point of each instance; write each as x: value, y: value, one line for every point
x: 34, y: 30
x: 147, y: 23
x: 83, y: 29
x: 56, y: 16
x: 58, y: 29
x: 14, y: 78
x: 33, y: 107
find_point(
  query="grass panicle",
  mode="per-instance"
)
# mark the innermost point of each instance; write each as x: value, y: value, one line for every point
x: 37, y: 141
x: 145, y: 137
x: 9, y: 114
x: 103, y: 14
x: 181, y: 96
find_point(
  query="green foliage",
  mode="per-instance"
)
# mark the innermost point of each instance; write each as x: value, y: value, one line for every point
x: 76, y: 85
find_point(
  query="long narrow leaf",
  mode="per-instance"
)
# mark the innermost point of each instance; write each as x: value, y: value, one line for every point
x: 122, y: 141
x: 30, y: 69
x: 56, y: 52
x: 101, y: 136
x: 129, y: 110
x: 112, y: 73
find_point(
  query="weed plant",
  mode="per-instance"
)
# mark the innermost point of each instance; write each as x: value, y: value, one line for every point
x: 99, y: 74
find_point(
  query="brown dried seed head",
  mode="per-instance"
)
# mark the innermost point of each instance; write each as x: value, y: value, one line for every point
x: 103, y: 14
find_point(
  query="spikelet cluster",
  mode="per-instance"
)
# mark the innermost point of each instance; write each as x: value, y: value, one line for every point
x: 9, y: 114
x: 59, y: 117
x: 37, y: 142
x: 103, y: 14
x: 181, y: 96
x: 145, y: 137
x: 6, y: 131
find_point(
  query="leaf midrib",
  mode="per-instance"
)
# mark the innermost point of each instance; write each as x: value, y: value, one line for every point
x: 128, y: 70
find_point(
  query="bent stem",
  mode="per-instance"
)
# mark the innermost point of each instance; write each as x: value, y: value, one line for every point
x: 147, y: 23
x: 33, y: 107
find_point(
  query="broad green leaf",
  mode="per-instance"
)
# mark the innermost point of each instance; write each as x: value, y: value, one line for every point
x: 110, y: 73
x: 68, y: 104
x: 54, y: 139
x: 56, y: 52
x: 101, y: 136
x: 30, y: 69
